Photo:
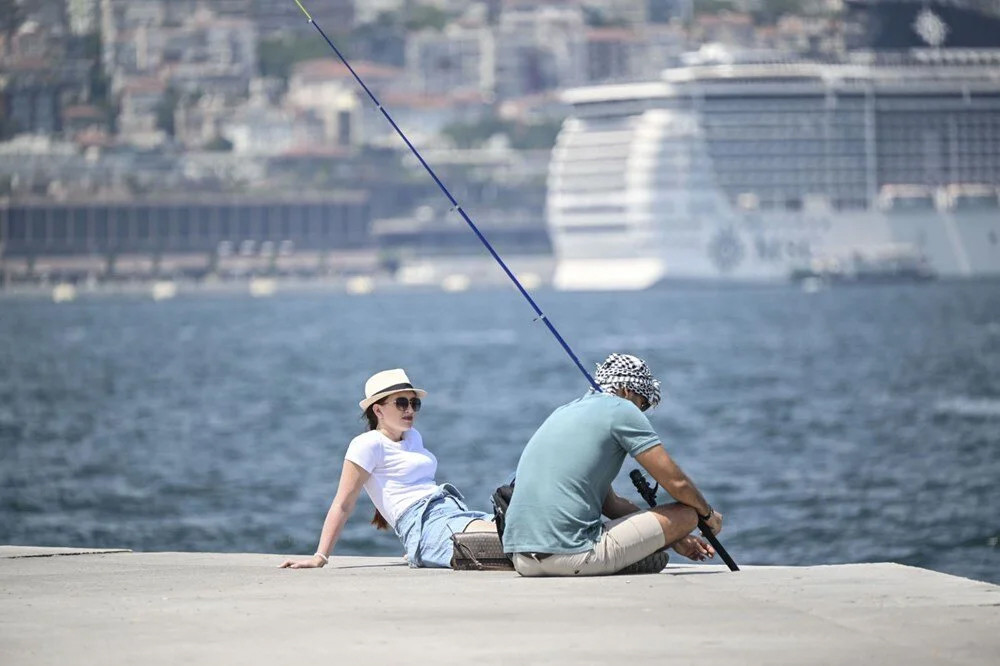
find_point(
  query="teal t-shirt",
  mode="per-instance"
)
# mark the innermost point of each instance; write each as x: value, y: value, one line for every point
x: 566, y: 470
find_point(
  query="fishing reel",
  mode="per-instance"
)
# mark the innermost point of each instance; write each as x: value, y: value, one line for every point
x: 647, y: 492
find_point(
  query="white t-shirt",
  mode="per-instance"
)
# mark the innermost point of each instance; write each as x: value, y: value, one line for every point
x: 401, y: 472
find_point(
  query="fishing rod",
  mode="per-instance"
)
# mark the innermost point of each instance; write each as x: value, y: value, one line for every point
x: 455, y: 205
x: 479, y: 234
x: 649, y: 494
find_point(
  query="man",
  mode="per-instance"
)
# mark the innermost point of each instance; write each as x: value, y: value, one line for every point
x: 553, y: 524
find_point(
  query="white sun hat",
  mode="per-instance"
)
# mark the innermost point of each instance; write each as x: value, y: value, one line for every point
x: 385, y: 383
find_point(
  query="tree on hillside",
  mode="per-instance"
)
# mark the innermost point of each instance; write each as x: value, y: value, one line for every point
x: 277, y: 55
x: 421, y: 17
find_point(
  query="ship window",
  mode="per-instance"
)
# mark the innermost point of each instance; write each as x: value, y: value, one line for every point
x: 60, y: 224
x: 244, y: 223
x: 78, y: 230
x: 162, y: 229
x: 315, y: 220
x: 203, y: 229
x: 120, y: 222
x: 101, y: 234
x: 591, y: 210
x: 975, y: 202
x: 911, y: 203
x: 184, y: 224
x: 594, y: 228
x: 277, y: 226
x: 143, y: 223
x: 18, y: 224
x: 227, y: 215
x: 296, y: 223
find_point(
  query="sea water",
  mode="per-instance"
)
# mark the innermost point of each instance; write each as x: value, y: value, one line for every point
x: 849, y: 425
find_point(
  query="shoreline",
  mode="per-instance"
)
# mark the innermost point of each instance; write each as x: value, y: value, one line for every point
x: 362, y: 285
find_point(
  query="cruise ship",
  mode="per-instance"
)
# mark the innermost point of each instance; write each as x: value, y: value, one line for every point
x: 753, y: 169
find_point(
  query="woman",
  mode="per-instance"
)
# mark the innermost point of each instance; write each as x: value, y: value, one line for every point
x: 392, y: 465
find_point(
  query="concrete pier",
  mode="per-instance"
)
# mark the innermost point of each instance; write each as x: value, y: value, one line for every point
x: 72, y: 606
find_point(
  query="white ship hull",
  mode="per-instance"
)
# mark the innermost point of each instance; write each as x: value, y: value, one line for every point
x: 769, y: 248
x: 640, y: 194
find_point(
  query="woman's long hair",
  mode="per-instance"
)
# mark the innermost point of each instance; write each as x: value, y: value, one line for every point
x: 378, y: 520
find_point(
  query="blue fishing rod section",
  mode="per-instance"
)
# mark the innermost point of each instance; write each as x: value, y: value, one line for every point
x: 454, y: 203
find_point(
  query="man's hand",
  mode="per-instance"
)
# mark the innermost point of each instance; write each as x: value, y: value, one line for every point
x: 714, y: 522
x: 694, y: 548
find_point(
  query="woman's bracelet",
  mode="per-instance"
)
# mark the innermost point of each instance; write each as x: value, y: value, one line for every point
x: 326, y: 560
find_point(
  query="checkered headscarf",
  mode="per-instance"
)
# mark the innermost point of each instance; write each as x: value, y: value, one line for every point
x: 624, y: 371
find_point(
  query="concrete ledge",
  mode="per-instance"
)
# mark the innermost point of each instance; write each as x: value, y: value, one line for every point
x: 7, y: 552
x: 168, y: 608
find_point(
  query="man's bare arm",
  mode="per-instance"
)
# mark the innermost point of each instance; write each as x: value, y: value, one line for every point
x: 672, y: 478
x: 616, y: 506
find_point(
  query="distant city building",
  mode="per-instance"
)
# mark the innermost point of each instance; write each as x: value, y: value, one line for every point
x: 665, y: 11
x: 455, y: 60
x: 610, y: 54
x: 327, y: 90
x: 631, y: 12
x: 728, y: 28
x: 542, y: 48
x: 198, y: 122
x: 207, y: 53
x: 38, y: 79
x: 192, y: 51
x: 83, y: 119
x: 140, y: 100
x: 265, y: 130
x: 423, y: 115
x: 83, y: 16
x: 119, y: 20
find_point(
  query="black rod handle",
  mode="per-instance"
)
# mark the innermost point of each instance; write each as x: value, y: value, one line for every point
x: 648, y: 494
x: 712, y: 539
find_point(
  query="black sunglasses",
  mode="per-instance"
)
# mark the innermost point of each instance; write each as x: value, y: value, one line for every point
x: 402, y: 403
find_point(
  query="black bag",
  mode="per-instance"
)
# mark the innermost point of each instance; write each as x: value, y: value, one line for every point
x: 479, y: 551
x: 501, y: 500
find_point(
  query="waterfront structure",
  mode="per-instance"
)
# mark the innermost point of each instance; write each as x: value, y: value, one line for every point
x: 751, y: 170
x: 180, y: 237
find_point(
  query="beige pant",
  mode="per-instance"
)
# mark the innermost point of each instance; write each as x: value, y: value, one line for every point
x: 623, y: 542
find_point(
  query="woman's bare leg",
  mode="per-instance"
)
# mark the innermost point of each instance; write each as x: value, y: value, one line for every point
x: 480, y: 526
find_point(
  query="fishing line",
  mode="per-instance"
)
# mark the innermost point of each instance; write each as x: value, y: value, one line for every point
x: 457, y: 207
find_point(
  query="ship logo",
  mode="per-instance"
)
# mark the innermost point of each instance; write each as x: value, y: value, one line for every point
x: 931, y: 28
x: 726, y: 250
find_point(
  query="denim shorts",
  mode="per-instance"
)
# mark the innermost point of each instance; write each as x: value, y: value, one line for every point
x: 425, y: 528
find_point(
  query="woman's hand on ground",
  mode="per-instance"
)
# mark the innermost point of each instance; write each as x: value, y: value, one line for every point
x: 694, y: 548
x: 314, y: 562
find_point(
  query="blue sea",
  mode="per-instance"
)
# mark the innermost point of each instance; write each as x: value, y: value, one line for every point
x: 849, y: 425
